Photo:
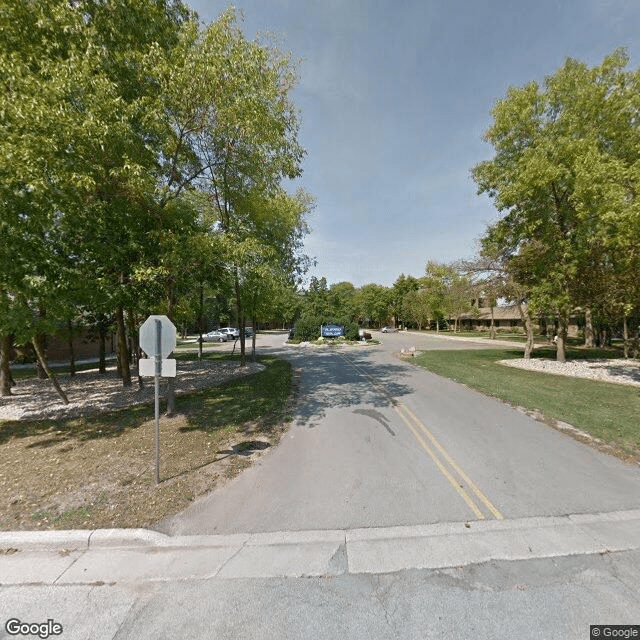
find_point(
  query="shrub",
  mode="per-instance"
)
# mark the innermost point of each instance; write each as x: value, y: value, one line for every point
x: 308, y: 327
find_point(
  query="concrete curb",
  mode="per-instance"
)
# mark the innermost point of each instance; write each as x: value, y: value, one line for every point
x: 138, y: 555
x: 485, y: 341
x: 78, y: 538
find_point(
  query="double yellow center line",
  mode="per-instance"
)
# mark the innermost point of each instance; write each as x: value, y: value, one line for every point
x: 458, y: 479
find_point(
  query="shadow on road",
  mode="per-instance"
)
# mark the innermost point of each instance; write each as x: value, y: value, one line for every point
x: 330, y: 382
x: 377, y: 416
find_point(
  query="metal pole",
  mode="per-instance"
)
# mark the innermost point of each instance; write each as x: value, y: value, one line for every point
x: 157, y: 390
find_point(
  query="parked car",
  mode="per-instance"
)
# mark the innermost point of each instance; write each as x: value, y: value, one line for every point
x: 215, y: 336
x: 232, y: 332
x: 388, y: 329
x: 292, y: 333
x: 248, y: 332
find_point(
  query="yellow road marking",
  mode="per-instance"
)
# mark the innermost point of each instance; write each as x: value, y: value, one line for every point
x: 398, y: 406
x: 456, y: 485
x: 487, y: 503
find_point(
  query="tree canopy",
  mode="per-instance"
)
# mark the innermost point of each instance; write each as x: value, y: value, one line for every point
x: 565, y: 177
x: 130, y: 144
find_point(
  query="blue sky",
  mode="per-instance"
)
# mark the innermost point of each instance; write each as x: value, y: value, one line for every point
x: 394, y: 99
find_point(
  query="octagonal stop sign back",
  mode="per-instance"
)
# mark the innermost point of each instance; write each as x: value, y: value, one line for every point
x: 148, y: 336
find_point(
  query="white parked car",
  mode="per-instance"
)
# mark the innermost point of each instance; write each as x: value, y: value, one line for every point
x: 232, y: 332
x: 388, y: 330
x: 215, y: 336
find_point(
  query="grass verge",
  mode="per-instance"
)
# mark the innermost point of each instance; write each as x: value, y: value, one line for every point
x: 98, y: 471
x: 604, y: 410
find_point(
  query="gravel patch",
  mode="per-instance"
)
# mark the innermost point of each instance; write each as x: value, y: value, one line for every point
x: 91, y: 393
x: 618, y: 371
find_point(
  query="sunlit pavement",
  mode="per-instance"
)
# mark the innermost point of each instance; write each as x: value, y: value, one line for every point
x: 399, y: 505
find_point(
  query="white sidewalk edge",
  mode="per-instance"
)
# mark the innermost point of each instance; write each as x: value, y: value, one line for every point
x: 116, y: 555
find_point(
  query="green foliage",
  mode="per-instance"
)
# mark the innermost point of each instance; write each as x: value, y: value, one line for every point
x: 401, y: 287
x: 143, y: 164
x: 374, y: 303
x: 565, y: 175
x: 417, y: 308
x: 316, y: 300
x: 342, y: 300
x: 351, y: 329
x: 307, y: 328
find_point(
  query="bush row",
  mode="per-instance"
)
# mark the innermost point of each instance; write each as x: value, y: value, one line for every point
x: 308, y: 327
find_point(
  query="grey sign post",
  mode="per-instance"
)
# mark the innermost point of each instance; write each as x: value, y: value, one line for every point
x: 157, y: 340
x: 158, y: 324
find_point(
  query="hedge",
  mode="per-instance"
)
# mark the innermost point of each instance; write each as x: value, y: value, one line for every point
x: 308, y: 327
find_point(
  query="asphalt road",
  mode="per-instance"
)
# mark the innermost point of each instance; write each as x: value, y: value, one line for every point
x: 482, y: 504
x: 378, y: 442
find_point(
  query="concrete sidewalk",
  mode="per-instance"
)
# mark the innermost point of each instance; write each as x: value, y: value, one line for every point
x: 475, y: 339
x: 111, y: 556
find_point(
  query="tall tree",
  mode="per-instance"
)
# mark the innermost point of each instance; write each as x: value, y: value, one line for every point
x: 550, y: 143
x: 235, y: 127
x: 402, y: 286
x: 342, y: 300
x: 417, y: 307
x: 83, y: 124
x: 316, y: 299
x: 374, y: 303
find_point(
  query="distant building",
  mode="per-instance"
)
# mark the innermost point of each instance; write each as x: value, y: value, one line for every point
x: 505, y: 317
x: 85, y: 345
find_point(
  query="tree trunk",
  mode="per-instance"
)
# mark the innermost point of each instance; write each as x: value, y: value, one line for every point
x: 139, y: 355
x: 240, y: 319
x: 602, y: 336
x: 200, y: 320
x: 634, y: 341
x: 50, y: 374
x: 625, y: 335
x: 41, y: 339
x: 253, y: 338
x: 563, y: 323
x: 588, y: 329
x: 134, y: 345
x: 102, y: 332
x: 42, y: 343
x: 549, y: 330
x: 72, y: 357
x: 492, y: 329
x: 122, y: 348
x: 528, y: 325
x: 5, y: 368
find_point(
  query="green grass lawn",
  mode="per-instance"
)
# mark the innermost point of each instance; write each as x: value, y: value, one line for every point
x: 259, y: 397
x: 97, y: 471
x: 513, y: 335
x: 607, y: 411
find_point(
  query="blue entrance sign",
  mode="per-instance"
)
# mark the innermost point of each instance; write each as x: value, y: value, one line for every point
x: 331, y: 331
